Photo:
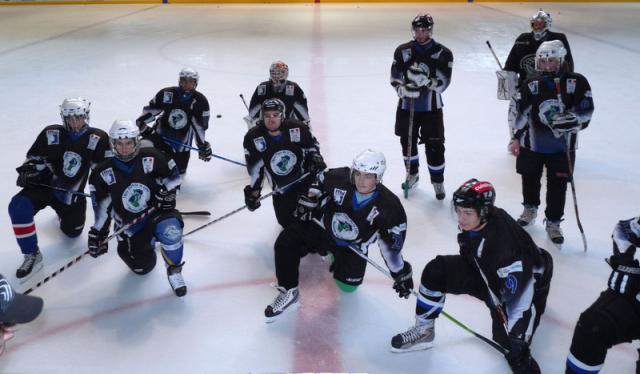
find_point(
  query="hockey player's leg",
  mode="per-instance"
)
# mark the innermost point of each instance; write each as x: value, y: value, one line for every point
x: 182, y: 161
x: 137, y: 253
x: 21, y: 211
x: 408, y: 143
x: 432, y: 135
x: 557, y: 178
x: 72, y: 218
x: 348, y: 269
x: 529, y: 165
x: 168, y: 232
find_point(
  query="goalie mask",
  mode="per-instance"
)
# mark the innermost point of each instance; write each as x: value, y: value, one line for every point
x: 120, y: 132
x: 278, y: 72
x: 369, y: 162
x: 540, y: 24
x: 550, y: 56
x: 77, y: 108
x: 188, y: 73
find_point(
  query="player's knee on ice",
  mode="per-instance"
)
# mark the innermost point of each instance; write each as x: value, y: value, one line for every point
x: 140, y: 261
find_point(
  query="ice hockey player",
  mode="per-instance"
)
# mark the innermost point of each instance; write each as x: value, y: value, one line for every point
x: 545, y: 129
x: 420, y: 73
x: 520, y: 64
x: 127, y: 187
x: 282, y: 150
x: 614, y: 317
x: 180, y: 114
x: 279, y: 87
x: 499, y: 264
x: 355, y: 209
x: 54, y: 174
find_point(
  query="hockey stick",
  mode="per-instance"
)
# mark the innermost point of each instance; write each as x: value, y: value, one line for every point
x: 59, y: 189
x: 196, y: 213
x: 386, y: 272
x: 276, y: 191
x: 244, y: 102
x: 570, y: 164
x: 494, y: 55
x: 175, y: 142
x: 406, y: 186
x: 80, y: 257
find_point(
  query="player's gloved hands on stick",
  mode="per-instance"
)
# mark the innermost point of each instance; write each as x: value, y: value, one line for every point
x: 205, y: 152
x: 252, y: 197
x: 519, y: 358
x: 566, y: 122
x: 408, y: 91
x: 315, y: 163
x: 32, y: 171
x: 403, y: 281
x: 165, y: 200
x: 97, y: 242
x: 306, y: 206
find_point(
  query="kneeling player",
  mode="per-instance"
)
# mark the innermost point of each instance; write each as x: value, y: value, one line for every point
x: 615, y: 317
x: 355, y: 209
x: 127, y: 187
x: 499, y: 264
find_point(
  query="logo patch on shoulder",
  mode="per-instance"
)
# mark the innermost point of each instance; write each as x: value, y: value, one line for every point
x: 289, y: 89
x: 260, y: 143
x: 571, y: 85
x: 167, y: 97
x: 93, y: 141
x: 406, y: 54
x: 108, y: 176
x: 372, y: 215
x: 262, y: 90
x: 53, y: 137
x: 338, y: 195
x: 147, y: 164
x: 294, y: 134
x: 533, y: 87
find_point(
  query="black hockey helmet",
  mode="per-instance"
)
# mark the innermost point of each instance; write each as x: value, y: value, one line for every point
x: 272, y: 105
x: 422, y: 20
x: 476, y: 194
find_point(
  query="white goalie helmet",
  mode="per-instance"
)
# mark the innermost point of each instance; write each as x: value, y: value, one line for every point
x: 124, y: 129
x: 77, y: 107
x: 547, y: 53
x: 190, y: 73
x: 278, y: 72
x: 540, y: 16
x: 370, y: 161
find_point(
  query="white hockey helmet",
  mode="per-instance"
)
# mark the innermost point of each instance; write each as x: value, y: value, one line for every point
x: 189, y: 73
x: 278, y: 72
x: 369, y: 161
x: 124, y: 129
x: 77, y: 107
x: 540, y: 16
x: 548, y: 51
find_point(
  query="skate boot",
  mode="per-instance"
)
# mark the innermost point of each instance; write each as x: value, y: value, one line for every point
x: 416, y: 338
x: 174, y: 274
x: 32, y: 263
x: 439, y: 189
x: 410, y: 182
x: 554, y: 231
x: 528, y: 216
x: 287, y: 300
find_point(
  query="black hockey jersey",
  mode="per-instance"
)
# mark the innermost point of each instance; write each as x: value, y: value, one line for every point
x: 70, y: 157
x: 295, y: 102
x: 280, y: 157
x: 508, y: 258
x: 522, y: 57
x: 380, y: 218
x: 125, y: 189
x: 539, y: 104
x: 184, y: 116
x: 435, y: 60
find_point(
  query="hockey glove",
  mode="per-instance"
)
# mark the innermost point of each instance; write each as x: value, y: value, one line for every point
x: 251, y: 122
x: 563, y: 123
x: 403, y: 281
x: 519, y: 358
x: 205, y: 152
x: 165, y: 200
x: 252, y: 197
x: 408, y: 91
x: 625, y: 274
x: 97, y: 242
x: 314, y: 163
x: 306, y: 207
x: 32, y: 172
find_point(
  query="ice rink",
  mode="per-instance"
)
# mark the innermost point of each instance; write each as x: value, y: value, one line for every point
x: 99, y: 317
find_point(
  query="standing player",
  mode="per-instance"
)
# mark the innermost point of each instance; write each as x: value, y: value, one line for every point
x: 355, y: 209
x: 499, y: 264
x: 126, y: 187
x: 520, y: 64
x: 615, y: 317
x: 546, y: 133
x: 282, y: 150
x: 279, y: 87
x: 420, y: 73
x: 54, y: 174
x: 181, y: 114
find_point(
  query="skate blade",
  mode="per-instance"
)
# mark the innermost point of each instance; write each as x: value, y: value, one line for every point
x: 291, y: 308
x: 416, y: 347
x: 36, y: 269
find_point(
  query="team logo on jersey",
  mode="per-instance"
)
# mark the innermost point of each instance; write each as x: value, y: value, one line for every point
x: 260, y: 143
x: 294, y: 134
x: 289, y: 89
x: 528, y: 64
x: 71, y: 163
x: 547, y: 110
x: 147, y: 164
x: 372, y: 215
x: 533, y: 87
x: 406, y: 54
x: 262, y: 90
x: 571, y: 85
x: 93, y: 141
x: 135, y: 197
x: 338, y: 195
x: 167, y: 97
x: 343, y: 227
x: 53, y: 137
x: 108, y: 176
x: 512, y: 284
x: 282, y: 162
x: 177, y: 119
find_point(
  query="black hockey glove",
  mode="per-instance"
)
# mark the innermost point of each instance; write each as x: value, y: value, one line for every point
x: 205, y: 152
x: 307, y: 205
x: 165, y: 200
x: 403, y: 281
x: 252, y: 197
x: 519, y: 358
x: 97, y: 242
x: 32, y: 172
x: 625, y: 274
x: 314, y: 163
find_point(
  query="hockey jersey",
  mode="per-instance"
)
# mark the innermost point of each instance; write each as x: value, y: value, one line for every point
x: 295, y: 102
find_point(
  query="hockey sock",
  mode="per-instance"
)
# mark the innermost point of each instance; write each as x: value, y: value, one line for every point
x: 21, y: 213
x: 429, y: 303
x: 169, y: 234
